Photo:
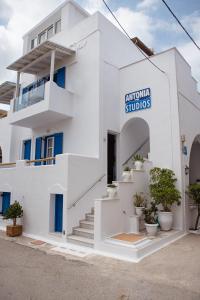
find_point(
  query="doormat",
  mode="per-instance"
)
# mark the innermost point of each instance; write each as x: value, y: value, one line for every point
x: 128, y: 237
x: 37, y: 243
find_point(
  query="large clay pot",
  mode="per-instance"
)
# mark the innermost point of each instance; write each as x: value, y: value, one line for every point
x: 165, y: 219
x: 152, y: 229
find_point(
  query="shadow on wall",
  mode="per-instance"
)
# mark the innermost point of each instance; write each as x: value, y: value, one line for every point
x: 134, y: 139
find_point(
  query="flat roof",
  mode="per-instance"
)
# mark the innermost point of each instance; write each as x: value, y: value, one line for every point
x: 39, y: 58
x: 7, y: 90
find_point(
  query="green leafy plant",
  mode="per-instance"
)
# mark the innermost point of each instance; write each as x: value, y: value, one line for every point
x: 194, y: 193
x: 150, y: 214
x: 163, y: 189
x: 127, y: 169
x: 13, y: 212
x: 139, y: 200
x: 138, y: 157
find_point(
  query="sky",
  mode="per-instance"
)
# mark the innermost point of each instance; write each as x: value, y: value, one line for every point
x: 147, y: 19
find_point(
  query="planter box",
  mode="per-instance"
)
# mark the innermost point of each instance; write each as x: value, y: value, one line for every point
x: 14, y: 230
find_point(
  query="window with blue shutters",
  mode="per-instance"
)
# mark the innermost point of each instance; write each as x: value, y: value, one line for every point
x: 59, y: 77
x: 48, y: 146
x: 38, y: 150
x: 27, y: 149
x: 5, y: 201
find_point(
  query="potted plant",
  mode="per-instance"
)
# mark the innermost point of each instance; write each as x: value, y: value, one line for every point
x: 194, y: 193
x: 138, y: 161
x: 13, y: 212
x: 126, y: 175
x: 164, y: 192
x: 111, y: 190
x: 151, y: 219
x: 139, y: 203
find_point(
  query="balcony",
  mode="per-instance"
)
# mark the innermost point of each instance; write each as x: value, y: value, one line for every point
x: 43, y: 104
x: 44, y: 101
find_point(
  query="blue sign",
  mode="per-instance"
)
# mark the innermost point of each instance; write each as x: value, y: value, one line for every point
x: 138, y: 100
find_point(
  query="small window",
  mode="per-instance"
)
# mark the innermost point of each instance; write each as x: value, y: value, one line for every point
x: 42, y: 37
x: 50, y: 32
x: 33, y: 43
x: 58, y: 26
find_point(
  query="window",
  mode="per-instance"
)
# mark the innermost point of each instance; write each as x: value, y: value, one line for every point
x: 50, y: 32
x: 34, y: 43
x: 42, y: 37
x: 26, y: 151
x: 50, y: 149
x: 58, y: 26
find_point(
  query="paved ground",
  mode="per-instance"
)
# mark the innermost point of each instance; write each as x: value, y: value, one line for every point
x: 30, y: 274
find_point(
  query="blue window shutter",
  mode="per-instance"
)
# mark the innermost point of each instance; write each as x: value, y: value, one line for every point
x: 59, y: 77
x: 5, y: 201
x: 38, y: 150
x: 27, y: 149
x: 58, y: 143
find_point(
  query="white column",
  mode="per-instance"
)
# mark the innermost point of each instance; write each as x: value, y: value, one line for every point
x: 17, y: 85
x: 52, y: 65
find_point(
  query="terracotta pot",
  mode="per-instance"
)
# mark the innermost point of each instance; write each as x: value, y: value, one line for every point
x: 13, y: 230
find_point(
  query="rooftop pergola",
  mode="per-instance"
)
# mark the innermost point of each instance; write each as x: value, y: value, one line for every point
x: 40, y: 58
x: 7, y: 90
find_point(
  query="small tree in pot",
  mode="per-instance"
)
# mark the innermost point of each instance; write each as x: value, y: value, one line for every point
x: 164, y: 192
x: 13, y: 212
x: 194, y: 193
x: 151, y: 219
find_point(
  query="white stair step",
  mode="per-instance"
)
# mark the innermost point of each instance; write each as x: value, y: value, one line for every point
x: 84, y: 232
x: 81, y: 241
x: 89, y: 217
x: 87, y: 224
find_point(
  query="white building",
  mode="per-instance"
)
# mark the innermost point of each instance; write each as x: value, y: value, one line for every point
x: 72, y: 127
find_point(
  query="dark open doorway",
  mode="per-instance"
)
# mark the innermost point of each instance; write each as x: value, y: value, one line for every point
x: 111, y: 157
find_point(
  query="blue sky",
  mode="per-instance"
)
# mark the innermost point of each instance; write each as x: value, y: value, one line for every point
x: 147, y: 19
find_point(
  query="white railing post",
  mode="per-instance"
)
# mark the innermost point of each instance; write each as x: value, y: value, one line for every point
x: 52, y: 66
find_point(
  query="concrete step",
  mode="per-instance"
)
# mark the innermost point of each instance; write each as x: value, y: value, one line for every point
x: 89, y: 217
x: 87, y: 224
x: 83, y: 232
x: 80, y: 240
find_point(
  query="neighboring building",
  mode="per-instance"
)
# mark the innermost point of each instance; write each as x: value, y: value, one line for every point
x: 85, y: 101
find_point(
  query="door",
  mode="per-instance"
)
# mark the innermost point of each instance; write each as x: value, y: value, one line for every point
x: 58, y: 213
x: 111, y: 157
x: 5, y: 201
x: 27, y: 149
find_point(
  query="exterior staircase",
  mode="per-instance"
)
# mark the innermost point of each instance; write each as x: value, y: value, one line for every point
x: 84, y: 234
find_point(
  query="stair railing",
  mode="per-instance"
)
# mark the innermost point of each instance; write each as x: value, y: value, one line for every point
x: 135, y: 152
x: 85, y: 193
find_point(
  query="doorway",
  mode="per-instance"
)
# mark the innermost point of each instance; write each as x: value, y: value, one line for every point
x: 58, y: 225
x: 111, y: 157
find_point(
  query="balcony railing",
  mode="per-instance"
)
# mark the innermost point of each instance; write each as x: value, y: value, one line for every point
x: 30, y: 95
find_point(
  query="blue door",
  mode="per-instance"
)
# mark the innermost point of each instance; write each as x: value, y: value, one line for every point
x: 5, y: 201
x: 27, y: 149
x: 58, y: 213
